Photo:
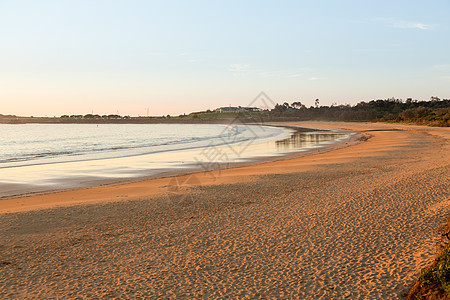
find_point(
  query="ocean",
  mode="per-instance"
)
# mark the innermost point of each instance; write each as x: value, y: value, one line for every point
x: 30, y: 144
x: 47, y: 157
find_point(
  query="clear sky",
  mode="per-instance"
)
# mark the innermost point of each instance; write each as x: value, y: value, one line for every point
x: 172, y: 57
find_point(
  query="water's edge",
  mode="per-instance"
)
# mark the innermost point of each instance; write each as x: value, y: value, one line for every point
x: 94, y: 181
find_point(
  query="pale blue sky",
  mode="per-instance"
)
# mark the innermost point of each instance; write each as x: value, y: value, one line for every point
x: 59, y: 57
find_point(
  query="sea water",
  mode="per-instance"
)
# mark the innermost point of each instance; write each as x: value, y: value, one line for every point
x: 30, y: 144
x: 44, y: 157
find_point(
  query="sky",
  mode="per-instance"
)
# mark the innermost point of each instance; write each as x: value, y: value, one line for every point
x: 173, y: 57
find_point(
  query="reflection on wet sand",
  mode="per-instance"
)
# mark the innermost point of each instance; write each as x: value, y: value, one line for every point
x: 301, y: 139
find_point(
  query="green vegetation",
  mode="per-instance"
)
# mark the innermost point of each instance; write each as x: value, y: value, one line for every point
x: 434, y: 282
x: 435, y: 112
x: 211, y: 116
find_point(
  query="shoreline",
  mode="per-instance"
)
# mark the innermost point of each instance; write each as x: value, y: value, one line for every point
x: 7, y: 206
x: 68, y: 174
x: 157, y: 185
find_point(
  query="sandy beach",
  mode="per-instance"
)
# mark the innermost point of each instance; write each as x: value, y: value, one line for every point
x: 358, y: 221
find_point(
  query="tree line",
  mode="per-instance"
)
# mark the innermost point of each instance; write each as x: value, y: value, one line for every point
x: 435, y: 112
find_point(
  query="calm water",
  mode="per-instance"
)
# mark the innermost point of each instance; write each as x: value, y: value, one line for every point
x: 44, y: 157
x: 30, y: 144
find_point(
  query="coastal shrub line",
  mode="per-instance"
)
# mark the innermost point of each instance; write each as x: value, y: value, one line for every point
x: 434, y: 281
x: 435, y: 112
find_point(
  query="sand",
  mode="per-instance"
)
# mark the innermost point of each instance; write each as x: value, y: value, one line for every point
x: 357, y: 222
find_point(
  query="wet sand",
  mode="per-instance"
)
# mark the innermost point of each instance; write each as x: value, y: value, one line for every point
x: 357, y: 222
